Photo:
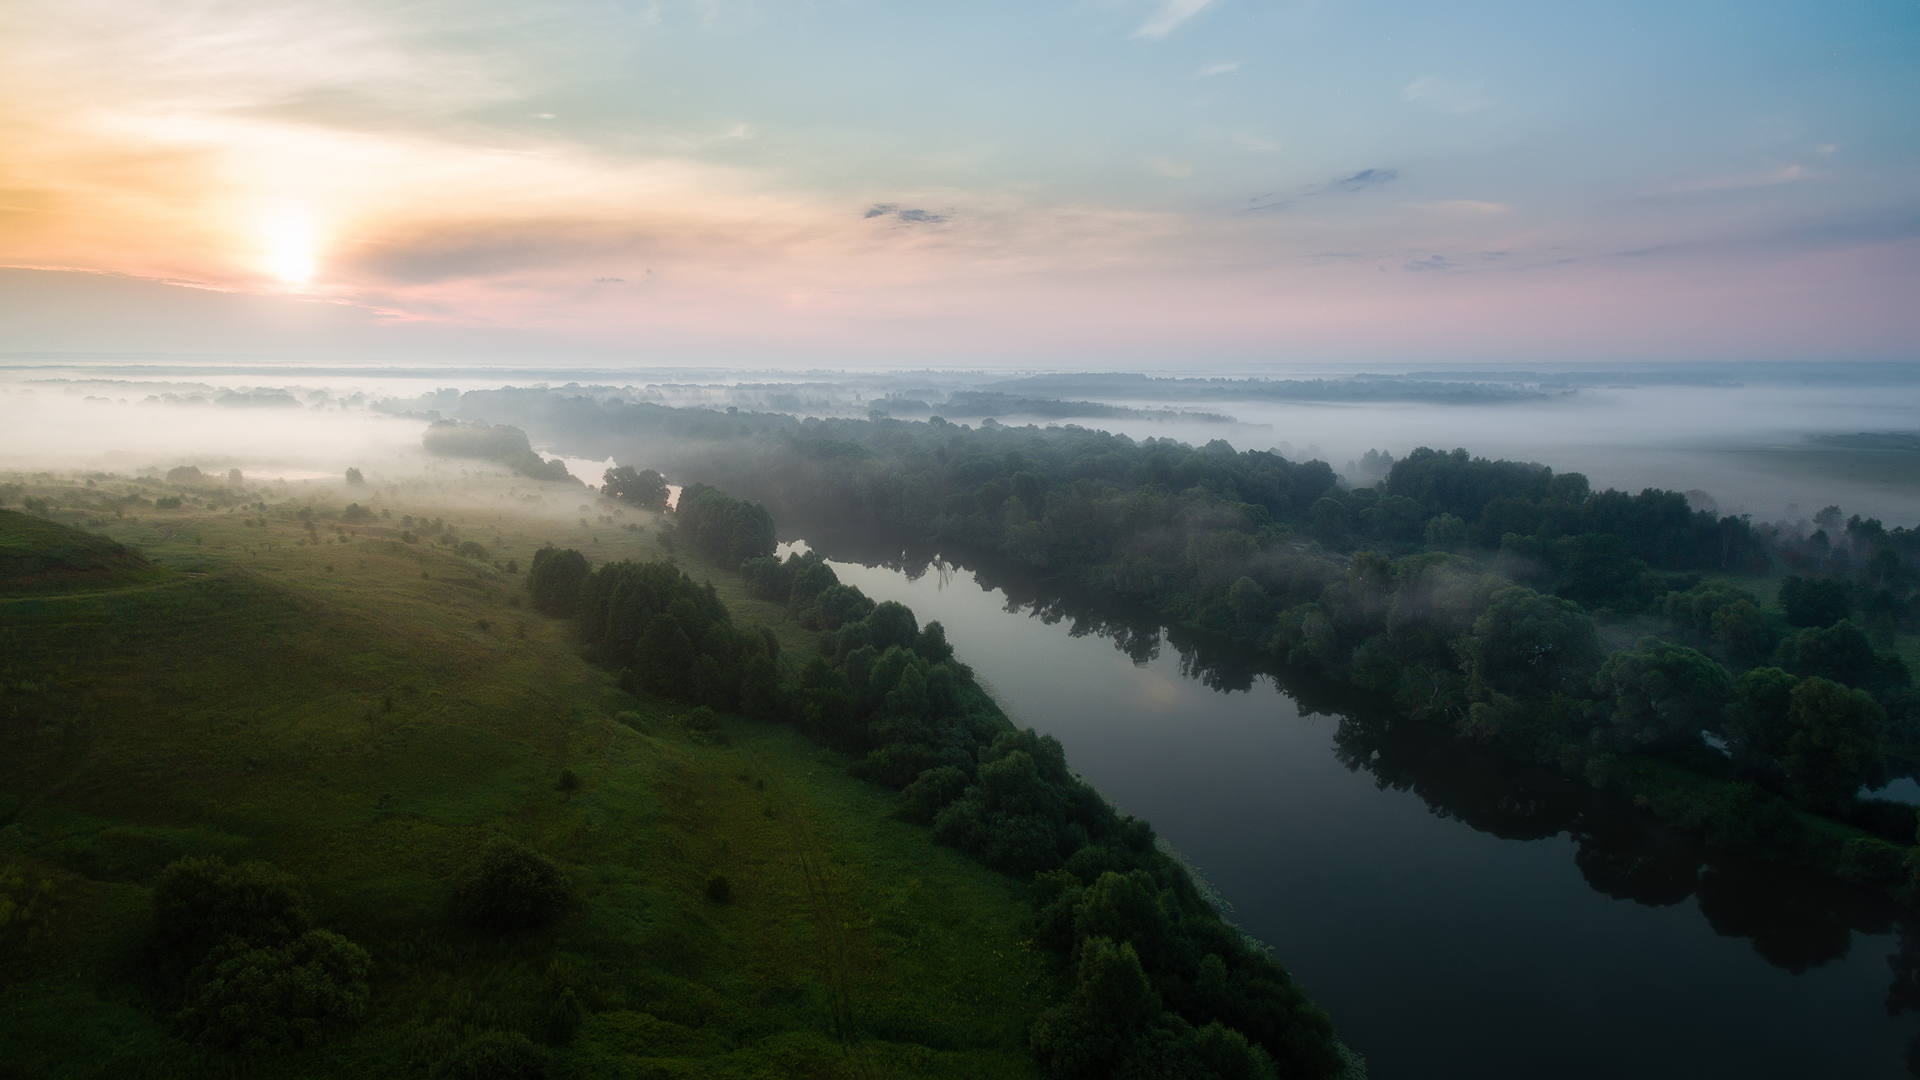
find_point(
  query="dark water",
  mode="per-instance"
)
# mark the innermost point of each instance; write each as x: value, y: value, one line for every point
x: 1459, y: 915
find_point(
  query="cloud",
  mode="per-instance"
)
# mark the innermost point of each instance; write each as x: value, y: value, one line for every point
x: 1433, y: 262
x: 1217, y: 69
x: 1366, y: 178
x: 1786, y: 174
x: 1167, y: 167
x: 1458, y: 98
x: 1169, y: 17
x: 910, y: 216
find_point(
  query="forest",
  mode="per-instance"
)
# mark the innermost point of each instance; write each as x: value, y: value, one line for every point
x: 1614, y: 635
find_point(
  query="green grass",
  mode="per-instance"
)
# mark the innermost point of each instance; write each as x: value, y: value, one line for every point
x: 362, y: 713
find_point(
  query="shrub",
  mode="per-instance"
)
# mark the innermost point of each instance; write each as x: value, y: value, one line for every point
x: 251, y: 998
x: 495, y: 1055
x: 719, y: 889
x: 510, y: 887
x: 199, y: 903
x: 569, y: 781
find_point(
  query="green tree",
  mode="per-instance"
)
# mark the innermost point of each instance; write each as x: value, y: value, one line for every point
x: 199, y: 903
x: 256, y: 998
x: 1757, y: 719
x: 495, y: 1055
x: 1660, y: 694
x: 1834, y: 744
x: 1531, y: 645
x: 646, y: 490
x: 510, y: 887
x: 554, y: 579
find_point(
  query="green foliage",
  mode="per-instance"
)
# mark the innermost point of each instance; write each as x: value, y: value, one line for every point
x: 470, y: 550
x: 356, y: 512
x: 254, y: 997
x: 495, y: 1055
x: 1843, y: 654
x: 199, y: 903
x: 646, y: 490
x: 1815, y: 602
x: 719, y: 890
x: 1660, y: 695
x: 729, y: 530
x: 555, y: 578
x: 1728, y: 617
x: 1834, y: 744
x: 507, y: 445
x: 509, y: 888
x: 1529, y: 645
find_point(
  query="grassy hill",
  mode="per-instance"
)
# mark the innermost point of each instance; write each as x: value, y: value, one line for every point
x: 37, y: 555
x: 364, y: 708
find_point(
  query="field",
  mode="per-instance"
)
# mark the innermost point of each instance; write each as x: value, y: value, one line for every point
x: 363, y: 705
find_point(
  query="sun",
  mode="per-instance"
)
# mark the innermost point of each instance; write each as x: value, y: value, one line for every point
x: 290, y: 245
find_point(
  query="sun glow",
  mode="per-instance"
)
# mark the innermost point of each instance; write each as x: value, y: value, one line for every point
x: 290, y: 245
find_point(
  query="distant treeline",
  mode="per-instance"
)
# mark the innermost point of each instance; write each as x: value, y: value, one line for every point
x: 508, y: 446
x: 1159, y: 985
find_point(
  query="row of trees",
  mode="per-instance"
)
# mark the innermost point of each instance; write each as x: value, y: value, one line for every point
x: 499, y: 443
x: 891, y: 692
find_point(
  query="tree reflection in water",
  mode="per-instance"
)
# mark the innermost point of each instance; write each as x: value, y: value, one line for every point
x: 1795, y: 921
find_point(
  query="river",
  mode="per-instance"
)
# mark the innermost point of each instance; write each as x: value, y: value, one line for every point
x: 1459, y: 915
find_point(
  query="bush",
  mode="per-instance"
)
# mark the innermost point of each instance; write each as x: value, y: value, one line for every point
x: 719, y: 889
x: 495, y: 1055
x: 199, y: 903
x: 510, y: 887
x: 251, y: 998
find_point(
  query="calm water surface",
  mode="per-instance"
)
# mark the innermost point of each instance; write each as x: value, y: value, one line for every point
x: 1459, y: 916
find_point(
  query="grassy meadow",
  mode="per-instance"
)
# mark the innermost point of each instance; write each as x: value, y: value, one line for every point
x: 364, y: 705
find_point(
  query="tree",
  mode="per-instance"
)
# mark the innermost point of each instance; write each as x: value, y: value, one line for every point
x: 1833, y: 745
x: 1530, y: 645
x: 555, y: 577
x: 200, y: 902
x: 646, y: 490
x: 354, y: 477
x: 495, y: 1055
x: 252, y: 997
x: 510, y: 887
x: 1661, y: 695
x: 1757, y: 720
x: 664, y: 658
x: 1809, y: 602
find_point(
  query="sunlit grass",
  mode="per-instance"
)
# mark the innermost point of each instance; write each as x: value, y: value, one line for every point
x: 361, y: 711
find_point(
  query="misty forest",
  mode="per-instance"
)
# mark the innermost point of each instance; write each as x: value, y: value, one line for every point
x: 455, y: 764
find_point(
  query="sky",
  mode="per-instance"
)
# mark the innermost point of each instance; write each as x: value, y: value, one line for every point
x: 1105, y: 183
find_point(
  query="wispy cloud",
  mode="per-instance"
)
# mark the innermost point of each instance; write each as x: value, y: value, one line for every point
x: 911, y: 216
x: 1433, y: 262
x: 1366, y: 178
x: 1217, y: 69
x: 1169, y: 16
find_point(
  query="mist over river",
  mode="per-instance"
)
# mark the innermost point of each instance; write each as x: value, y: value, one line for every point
x: 1458, y: 914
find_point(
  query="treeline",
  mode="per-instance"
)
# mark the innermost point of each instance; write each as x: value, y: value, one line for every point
x: 1158, y: 984
x: 1471, y: 601
x: 508, y: 446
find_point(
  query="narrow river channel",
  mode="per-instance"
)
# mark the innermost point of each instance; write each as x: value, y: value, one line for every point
x: 1460, y: 916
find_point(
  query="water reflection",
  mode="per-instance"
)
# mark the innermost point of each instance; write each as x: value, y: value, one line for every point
x: 1794, y: 921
